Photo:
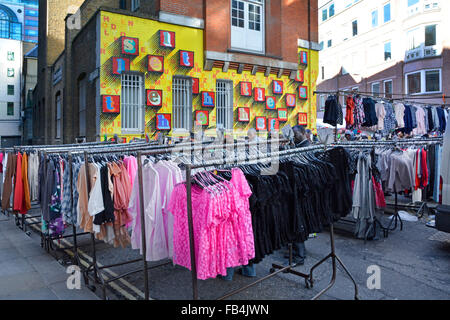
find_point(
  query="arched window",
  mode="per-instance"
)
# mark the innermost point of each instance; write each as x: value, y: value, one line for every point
x: 10, y: 27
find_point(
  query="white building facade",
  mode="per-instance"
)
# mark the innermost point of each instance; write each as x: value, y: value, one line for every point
x: 11, y: 57
x: 385, y: 47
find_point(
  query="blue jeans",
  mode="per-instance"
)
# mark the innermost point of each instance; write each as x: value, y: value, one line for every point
x: 247, y: 271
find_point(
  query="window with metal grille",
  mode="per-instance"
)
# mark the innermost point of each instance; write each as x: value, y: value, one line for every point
x: 132, y: 103
x: 135, y: 4
x: 182, y: 103
x: 82, y: 107
x: 58, y: 115
x: 224, y: 103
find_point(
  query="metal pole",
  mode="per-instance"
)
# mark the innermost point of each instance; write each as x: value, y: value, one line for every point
x: 142, y: 217
x: 191, y: 231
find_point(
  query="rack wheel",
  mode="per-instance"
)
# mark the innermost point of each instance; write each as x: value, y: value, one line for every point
x: 357, y: 298
x: 272, y: 270
x: 28, y: 233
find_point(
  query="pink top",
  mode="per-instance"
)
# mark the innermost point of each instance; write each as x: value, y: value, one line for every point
x: 223, y: 234
x: 131, y: 165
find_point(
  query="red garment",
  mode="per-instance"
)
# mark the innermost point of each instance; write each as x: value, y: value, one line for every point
x: 380, y: 201
x: 349, y: 118
x: 18, y: 186
x: 416, y: 173
x: 424, y: 183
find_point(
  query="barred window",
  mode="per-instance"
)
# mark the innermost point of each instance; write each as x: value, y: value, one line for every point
x: 132, y: 103
x: 182, y: 103
x: 224, y: 103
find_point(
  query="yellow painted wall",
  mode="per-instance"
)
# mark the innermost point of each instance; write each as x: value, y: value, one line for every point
x: 113, y: 26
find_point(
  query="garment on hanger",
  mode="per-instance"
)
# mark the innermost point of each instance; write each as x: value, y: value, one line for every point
x: 349, y: 111
x: 370, y: 113
x: 399, y: 115
x: 359, y: 115
x: 333, y: 112
x: 389, y: 119
x: 8, y: 182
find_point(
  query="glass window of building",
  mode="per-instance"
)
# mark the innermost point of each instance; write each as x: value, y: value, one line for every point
x: 387, y: 12
x: 132, y: 103
x: 182, y: 103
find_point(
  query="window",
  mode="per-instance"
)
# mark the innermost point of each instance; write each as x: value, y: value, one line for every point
x: 123, y: 4
x: 10, y: 90
x: 10, y: 72
x: 413, y: 83
x: 414, y: 38
x: 58, y: 115
x: 10, y: 27
x: 182, y: 103
x: 10, y: 109
x: 388, y: 89
x: 322, y: 100
x: 323, y: 72
x: 430, y: 35
x: 31, y: 33
x: 32, y: 23
x: 424, y: 81
x: 387, y: 12
x: 132, y: 103
x: 324, y: 14
x: 412, y: 2
x: 32, y: 13
x: 331, y: 10
x: 135, y: 4
x: 355, y: 27
x: 376, y: 89
x: 321, y: 45
x: 432, y: 81
x: 330, y: 43
x: 224, y: 103
x: 374, y: 18
x: 10, y: 56
x: 82, y: 108
x: 387, y: 51
x: 247, y: 25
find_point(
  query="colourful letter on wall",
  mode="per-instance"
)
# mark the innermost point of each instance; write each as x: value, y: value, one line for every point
x: 244, y: 114
x: 290, y: 100
x: 261, y: 123
x: 154, y: 98
x: 300, y: 77
x: 111, y: 104
x: 208, y: 99
x: 277, y: 87
x: 163, y: 121
x: 186, y: 59
x: 202, y: 117
x: 155, y: 63
x: 246, y: 89
x: 303, y: 119
x: 274, y: 124
x: 166, y: 39
x: 303, y: 92
x: 120, y: 64
x: 271, y: 103
x: 130, y: 46
x: 282, y: 114
x: 304, y: 57
x: 260, y: 94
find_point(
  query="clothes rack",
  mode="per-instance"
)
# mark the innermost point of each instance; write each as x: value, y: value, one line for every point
x: 308, y: 277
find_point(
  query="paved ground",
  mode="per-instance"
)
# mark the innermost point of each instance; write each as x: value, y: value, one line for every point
x: 27, y: 272
x: 414, y: 264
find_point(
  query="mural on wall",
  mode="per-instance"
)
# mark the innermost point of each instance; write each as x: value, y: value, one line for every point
x: 160, y: 51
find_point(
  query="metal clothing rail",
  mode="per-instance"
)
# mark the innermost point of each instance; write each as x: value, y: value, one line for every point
x: 405, y: 100
x: 406, y: 142
x: 308, y: 277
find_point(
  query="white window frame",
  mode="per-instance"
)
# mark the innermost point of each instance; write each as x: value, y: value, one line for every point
x: 392, y: 87
x: 224, y: 104
x: 132, y: 103
x: 58, y: 105
x: 235, y: 30
x: 135, y: 5
x: 423, y: 82
x: 182, y: 104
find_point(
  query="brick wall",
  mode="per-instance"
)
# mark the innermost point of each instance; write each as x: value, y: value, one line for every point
x: 190, y: 8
